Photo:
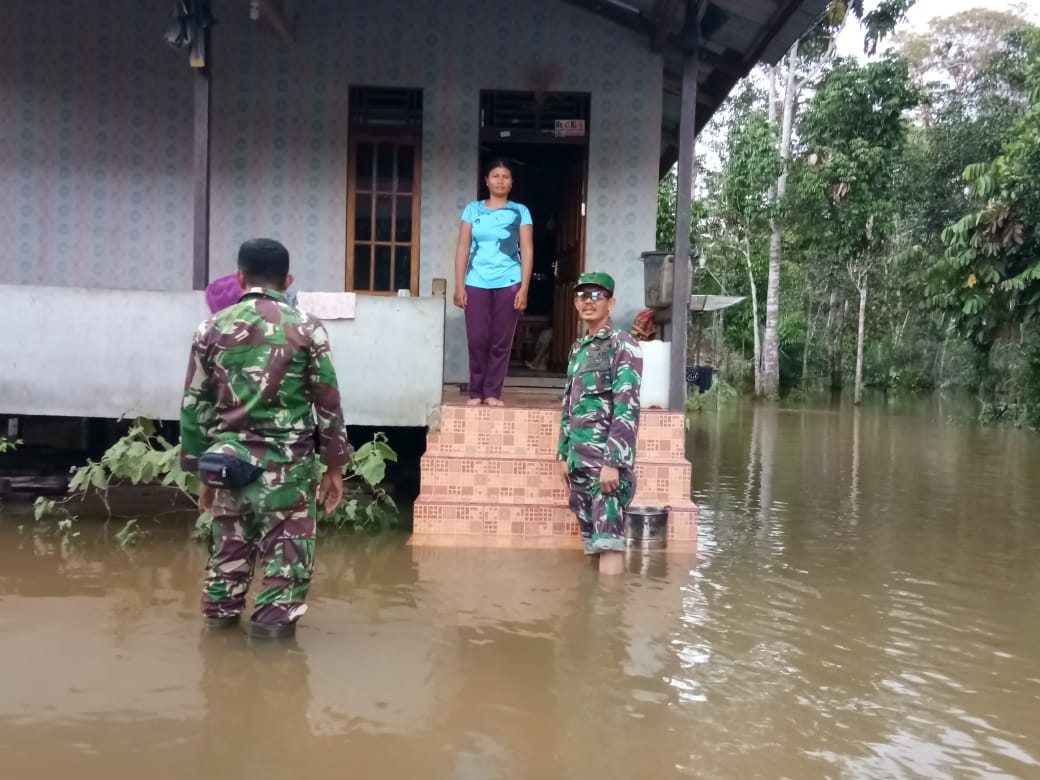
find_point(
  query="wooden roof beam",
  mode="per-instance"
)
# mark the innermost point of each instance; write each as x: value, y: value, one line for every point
x: 619, y: 13
x: 776, y: 23
x: 664, y: 16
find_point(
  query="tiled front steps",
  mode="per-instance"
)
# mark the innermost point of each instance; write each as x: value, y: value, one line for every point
x: 533, y: 432
x: 530, y: 481
x: 485, y: 519
x: 491, y: 473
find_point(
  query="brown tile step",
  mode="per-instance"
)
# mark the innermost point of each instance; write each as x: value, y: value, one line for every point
x: 433, y: 517
x: 504, y: 432
x: 530, y: 481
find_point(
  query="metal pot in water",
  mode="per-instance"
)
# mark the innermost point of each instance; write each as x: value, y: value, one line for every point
x: 647, y: 527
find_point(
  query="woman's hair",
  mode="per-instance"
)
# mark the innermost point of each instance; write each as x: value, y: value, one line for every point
x: 498, y: 162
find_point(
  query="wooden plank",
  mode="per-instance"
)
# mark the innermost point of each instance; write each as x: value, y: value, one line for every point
x: 201, y: 167
x: 683, y: 211
x: 633, y: 19
x: 664, y: 18
x: 416, y: 214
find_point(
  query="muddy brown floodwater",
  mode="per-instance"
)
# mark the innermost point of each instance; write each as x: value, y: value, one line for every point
x: 863, y: 604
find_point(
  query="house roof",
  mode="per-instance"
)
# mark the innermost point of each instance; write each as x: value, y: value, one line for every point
x: 735, y: 36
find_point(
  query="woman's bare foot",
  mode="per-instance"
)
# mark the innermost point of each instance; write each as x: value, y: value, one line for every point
x: 494, y: 402
x: 474, y: 402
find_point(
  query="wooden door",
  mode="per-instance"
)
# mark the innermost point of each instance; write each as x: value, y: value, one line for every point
x: 570, y: 262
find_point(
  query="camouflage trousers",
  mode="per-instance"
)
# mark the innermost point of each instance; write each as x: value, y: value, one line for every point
x: 270, y: 521
x: 600, y: 516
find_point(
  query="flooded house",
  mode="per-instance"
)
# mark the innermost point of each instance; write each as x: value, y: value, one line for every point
x: 355, y: 133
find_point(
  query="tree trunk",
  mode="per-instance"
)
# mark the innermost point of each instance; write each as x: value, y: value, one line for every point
x: 902, y: 329
x: 811, y: 320
x: 987, y: 387
x: 942, y: 358
x: 835, y: 326
x: 860, y: 332
x: 757, y: 357
x: 771, y: 346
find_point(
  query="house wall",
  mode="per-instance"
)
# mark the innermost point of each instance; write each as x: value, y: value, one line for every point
x: 95, y: 146
x: 98, y: 113
x: 105, y: 353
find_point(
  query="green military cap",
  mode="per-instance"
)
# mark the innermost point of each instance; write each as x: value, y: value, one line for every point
x: 597, y: 278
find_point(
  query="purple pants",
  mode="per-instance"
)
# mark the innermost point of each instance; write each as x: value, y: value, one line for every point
x: 490, y: 327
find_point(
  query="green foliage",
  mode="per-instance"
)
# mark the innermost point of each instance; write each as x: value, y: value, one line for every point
x: 923, y: 177
x: 878, y: 22
x: 666, y: 194
x: 853, y: 133
x: 1026, y: 381
x: 987, y: 281
x: 719, y: 392
x: 8, y: 445
x: 142, y: 456
x: 366, y: 506
x: 954, y: 51
x: 751, y: 171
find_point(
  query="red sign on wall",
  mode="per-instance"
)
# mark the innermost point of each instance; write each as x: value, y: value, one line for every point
x: 570, y: 128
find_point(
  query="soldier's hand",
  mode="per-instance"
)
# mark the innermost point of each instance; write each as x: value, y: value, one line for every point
x: 206, y: 495
x: 562, y: 471
x: 330, y: 489
x: 609, y: 479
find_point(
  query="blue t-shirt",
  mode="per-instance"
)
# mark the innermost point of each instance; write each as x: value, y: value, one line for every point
x: 494, y: 254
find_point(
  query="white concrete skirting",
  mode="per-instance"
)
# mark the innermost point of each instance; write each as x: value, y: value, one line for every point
x: 93, y: 352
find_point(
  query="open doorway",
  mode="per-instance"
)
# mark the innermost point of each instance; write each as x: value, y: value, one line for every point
x: 550, y: 179
x: 545, y: 137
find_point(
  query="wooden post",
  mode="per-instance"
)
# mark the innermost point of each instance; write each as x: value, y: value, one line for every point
x: 684, y: 209
x: 200, y: 167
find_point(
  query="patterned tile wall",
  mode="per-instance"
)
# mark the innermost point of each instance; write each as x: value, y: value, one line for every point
x: 95, y: 146
x: 96, y: 116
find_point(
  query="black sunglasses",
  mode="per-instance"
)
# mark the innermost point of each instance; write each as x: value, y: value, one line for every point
x: 591, y: 295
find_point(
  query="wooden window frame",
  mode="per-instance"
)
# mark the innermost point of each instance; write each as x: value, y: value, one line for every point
x: 400, y: 136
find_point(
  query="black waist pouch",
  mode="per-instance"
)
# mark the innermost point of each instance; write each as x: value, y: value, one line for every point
x: 220, y: 470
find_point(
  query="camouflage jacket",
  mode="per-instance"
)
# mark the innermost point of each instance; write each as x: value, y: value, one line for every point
x: 601, y: 401
x: 256, y: 370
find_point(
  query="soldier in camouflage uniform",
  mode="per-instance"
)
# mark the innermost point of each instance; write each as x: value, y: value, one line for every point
x: 257, y: 369
x: 600, y: 418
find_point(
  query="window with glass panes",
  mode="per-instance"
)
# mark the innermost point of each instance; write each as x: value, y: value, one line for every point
x: 383, y: 191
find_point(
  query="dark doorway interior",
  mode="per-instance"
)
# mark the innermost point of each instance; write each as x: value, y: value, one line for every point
x: 549, y: 178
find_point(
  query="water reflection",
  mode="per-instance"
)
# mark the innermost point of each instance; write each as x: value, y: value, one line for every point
x: 862, y: 605
x: 891, y: 632
x: 456, y: 663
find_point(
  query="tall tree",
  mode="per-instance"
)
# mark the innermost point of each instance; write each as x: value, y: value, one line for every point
x: 953, y: 50
x: 750, y: 170
x: 854, y: 131
x: 770, y: 385
x: 988, y: 281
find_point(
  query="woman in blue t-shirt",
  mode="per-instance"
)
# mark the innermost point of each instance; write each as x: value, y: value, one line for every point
x: 493, y: 265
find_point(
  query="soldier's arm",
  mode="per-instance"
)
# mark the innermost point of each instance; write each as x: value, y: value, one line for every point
x: 627, y: 370
x: 563, y: 448
x: 198, y: 407
x: 321, y: 378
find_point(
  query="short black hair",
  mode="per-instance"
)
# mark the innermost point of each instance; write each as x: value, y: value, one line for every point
x: 263, y: 261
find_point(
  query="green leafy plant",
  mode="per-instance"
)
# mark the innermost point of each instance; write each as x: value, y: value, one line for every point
x: 143, y: 456
x: 720, y: 391
x: 7, y: 445
x: 366, y: 505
